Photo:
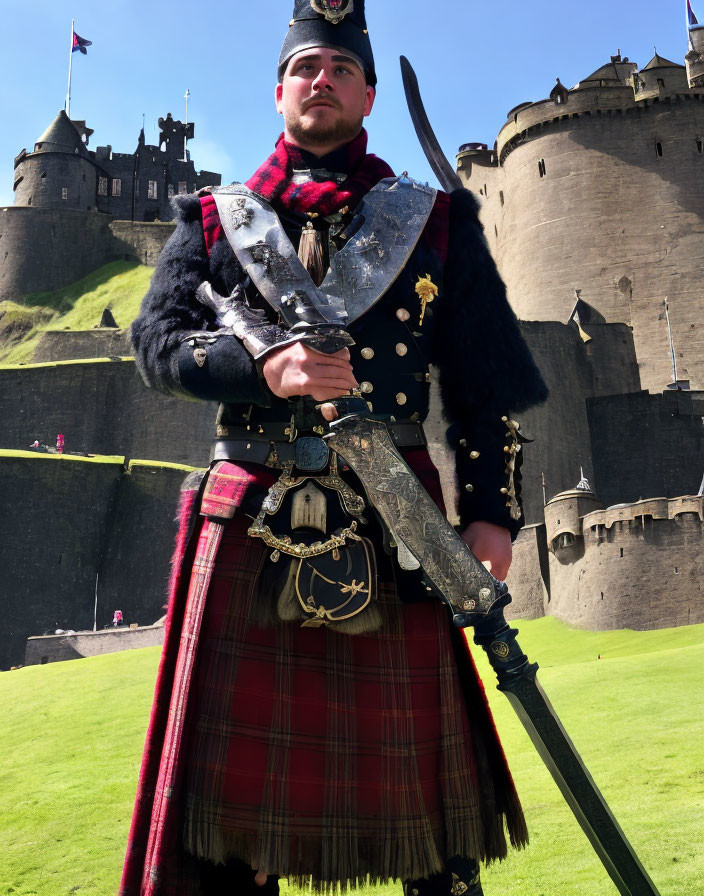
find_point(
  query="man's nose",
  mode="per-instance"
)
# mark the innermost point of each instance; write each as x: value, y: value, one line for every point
x: 322, y: 82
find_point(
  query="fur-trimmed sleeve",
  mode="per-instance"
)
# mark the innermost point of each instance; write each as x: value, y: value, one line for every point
x: 486, y: 372
x: 170, y: 313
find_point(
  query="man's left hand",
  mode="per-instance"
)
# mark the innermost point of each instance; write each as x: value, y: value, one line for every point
x: 491, y: 544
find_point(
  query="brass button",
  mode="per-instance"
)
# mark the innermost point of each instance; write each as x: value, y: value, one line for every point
x: 401, y: 398
x: 428, y: 378
x: 469, y: 488
x: 366, y: 387
x: 401, y: 349
x: 367, y: 353
x: 504, y: 491
x: 474, y: 455
x: 402, y: 314
x: 463, y: 443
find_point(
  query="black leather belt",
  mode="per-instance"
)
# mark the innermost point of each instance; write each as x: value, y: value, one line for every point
x: 271, y: 443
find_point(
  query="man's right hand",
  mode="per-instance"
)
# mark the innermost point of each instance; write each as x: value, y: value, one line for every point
x: 300, y: 370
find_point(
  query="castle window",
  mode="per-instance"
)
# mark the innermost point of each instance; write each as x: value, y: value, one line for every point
x: 661, y: 82
x: 171, y: 191
x: 102, y: 186
x: 622, y: 552
x: 136, y: 188
x: 658, y: 149
x: 700, y: 146
x: 43, y: 174
x: 64, y: 192
x: 182, y: 187
x: 541, y: 167
x: 152, y: 191
x: 501, y: 198
x: 117, y: 186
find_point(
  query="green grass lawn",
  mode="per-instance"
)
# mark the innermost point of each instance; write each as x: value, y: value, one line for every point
x: 118, y: 286
x: 72, y: 735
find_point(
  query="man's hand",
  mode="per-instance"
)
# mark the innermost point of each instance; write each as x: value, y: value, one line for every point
x: 491, y: 544
x: 300, y: 370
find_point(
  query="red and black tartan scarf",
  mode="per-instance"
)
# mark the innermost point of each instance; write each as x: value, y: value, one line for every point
x: 273, y: 180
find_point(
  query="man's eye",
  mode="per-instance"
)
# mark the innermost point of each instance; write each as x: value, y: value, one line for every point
x: 341, y: 70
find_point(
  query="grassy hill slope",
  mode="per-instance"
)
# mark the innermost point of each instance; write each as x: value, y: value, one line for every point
x: 118, y: 286
x: 72, y: 736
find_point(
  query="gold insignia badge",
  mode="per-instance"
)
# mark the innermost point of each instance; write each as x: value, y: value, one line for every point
x: 333, y: 10
x: 426, y: 290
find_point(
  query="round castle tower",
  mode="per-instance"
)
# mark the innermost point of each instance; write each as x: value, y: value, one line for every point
x: 599, y: 190
x: 59, y: 173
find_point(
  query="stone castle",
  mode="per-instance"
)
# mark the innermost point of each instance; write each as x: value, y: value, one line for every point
x: 593, y: 205
x: 76, y: 209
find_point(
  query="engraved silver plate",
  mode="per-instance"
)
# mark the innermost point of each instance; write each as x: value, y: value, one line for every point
x: 395, y: 213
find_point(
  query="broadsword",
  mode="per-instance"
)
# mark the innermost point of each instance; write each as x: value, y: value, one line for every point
x: 517, y: 676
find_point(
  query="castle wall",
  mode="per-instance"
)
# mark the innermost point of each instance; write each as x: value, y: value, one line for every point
x: 560, y: 426
x: 102, y: 407
x: 81, y: 519
x: 610, y: 216
x: 529, y: 577
x: 45, y: 249
x: 74, y: 345
x: 141, y: 241
x: 58, y: 648
x: 640, y: 573
x: 645, y: 445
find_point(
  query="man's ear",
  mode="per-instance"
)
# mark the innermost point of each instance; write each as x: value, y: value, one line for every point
x: 278, y: 94
x: 369, y: 100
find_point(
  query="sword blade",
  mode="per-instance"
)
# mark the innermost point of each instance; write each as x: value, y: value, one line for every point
x: 577, y: 786
x: 448, y: 177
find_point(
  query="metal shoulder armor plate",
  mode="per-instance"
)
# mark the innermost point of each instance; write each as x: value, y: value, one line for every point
x: 393, y: 216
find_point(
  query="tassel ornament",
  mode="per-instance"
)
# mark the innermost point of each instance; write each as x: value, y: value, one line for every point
x: 310, y: 252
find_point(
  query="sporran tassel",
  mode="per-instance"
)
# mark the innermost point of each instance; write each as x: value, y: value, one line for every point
x: 310, y: 252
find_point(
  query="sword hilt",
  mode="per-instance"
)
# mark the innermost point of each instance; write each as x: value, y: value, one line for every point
x: 498, y: 640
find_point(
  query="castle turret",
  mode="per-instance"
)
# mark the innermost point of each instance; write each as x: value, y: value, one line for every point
x: 695, y: 57
x: 660, y: 78
x: 59, y: 173
x: 564, y: 512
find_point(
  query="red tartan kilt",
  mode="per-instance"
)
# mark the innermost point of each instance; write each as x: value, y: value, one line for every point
x: 297, y: 730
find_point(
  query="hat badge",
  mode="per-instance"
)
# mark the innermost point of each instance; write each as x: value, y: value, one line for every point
x: 333, y: 10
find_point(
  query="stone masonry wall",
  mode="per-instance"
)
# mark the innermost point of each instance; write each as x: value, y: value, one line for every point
x: 612, y: 217
x: 78, y: 520
x: 45, y: 249
x: 646, y: 445
x: 102, y: 407
x: 640, y: 573
x: 529, y: 577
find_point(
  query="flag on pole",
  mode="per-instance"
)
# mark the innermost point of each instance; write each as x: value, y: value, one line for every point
x: 691, y: 18
x: 80, y: 43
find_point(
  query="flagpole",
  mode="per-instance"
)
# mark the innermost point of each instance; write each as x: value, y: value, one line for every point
x: 67, y: 104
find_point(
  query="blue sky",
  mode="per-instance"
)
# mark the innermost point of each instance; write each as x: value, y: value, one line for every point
x: 474, y: 61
